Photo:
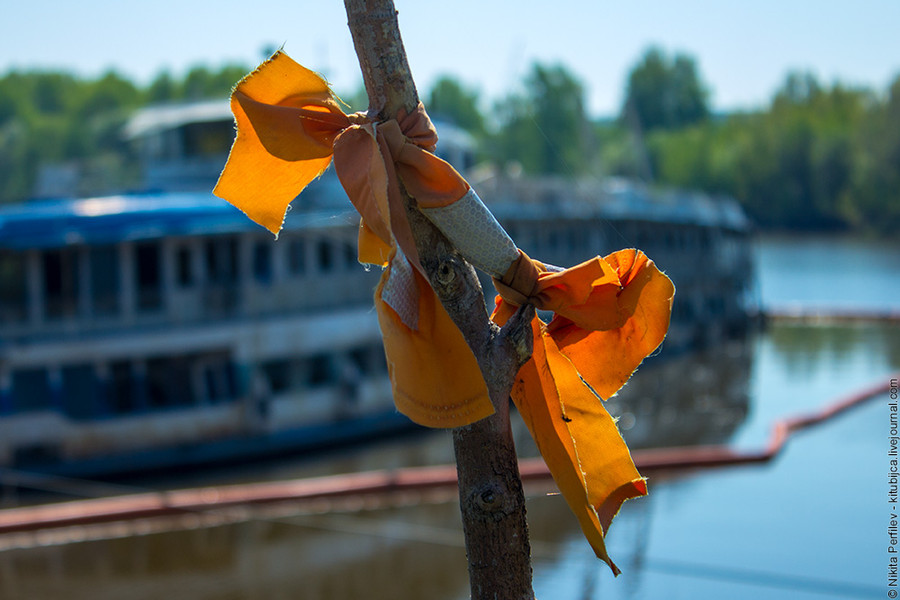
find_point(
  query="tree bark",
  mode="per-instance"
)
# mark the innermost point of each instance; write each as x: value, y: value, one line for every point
x: 490, y: 489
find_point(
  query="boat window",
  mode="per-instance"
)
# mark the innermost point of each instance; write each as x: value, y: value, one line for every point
x: 221, y: 263
x: 278, y: 374
x: 122, y: 396
x: 221, y: 260
x: 104, y: 267
x: 149, y: 276
x: 207, y: 138
x: 13, y: 295
x: 325, y: 255
x: 525, y: 239
x: 218, y: 376
x: 369, y: 360
x: 60, y: 268
x: 554, y: 240
x: 184, y: 267
x: 669, y: 240
x: 81, y: 392
x: 705, y: 240
x: 351, y: 258
x: 297, y: 256
x: 262, y: 262
x: 682, y: 311
x: 642, y: 238
x: 715, y: 305
x: 169, y: 382
x: 31, y: 390
x: 379, y: 362
x: 360, y: 359
x: 232, y: 379
x: 321, y: 370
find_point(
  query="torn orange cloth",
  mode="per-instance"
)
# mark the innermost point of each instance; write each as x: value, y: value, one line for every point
x: 289, y: 129
x: 450, y: 398
x: 609, y: 312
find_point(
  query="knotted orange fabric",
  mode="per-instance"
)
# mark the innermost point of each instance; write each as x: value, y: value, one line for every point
x: 609, y: 312
x: 288, y: 127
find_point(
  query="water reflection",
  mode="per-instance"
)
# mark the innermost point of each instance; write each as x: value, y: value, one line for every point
x: 803, y: 347
x: 307, y: 556
x: 688, y: 399
x: 827, y: 272
x: 411, y: 550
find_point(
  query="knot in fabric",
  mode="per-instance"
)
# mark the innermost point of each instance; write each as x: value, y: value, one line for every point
x: 413, y: 128
x: 288, y: 134
x: 518, y: 285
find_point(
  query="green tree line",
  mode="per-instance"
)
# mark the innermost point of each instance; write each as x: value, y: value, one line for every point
x: 815, y: 157
x: 51, y: 117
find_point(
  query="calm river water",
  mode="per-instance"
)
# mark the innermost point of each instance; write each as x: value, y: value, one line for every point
x: 811, y: 524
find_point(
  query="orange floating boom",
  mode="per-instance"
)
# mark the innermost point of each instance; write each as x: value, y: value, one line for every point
x: 180, y: 502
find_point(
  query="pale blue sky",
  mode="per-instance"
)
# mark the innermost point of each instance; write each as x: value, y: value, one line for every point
x: 743, y: 49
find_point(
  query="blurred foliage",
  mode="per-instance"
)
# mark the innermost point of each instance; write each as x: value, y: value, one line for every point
x: 816, y: 157
x: 664, y: 93
x: 54, y: 119
x: 452, y: 101
x: 544, y: 128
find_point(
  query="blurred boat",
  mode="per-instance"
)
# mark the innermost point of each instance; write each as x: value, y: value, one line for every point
x: 163, y: 329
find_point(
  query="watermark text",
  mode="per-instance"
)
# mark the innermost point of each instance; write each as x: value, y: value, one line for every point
x: 893, y: 476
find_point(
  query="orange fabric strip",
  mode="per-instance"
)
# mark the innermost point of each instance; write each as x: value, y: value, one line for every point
x: 295, y: 133
x: 610, y: 312
x: 256, y: 181
x: 435, y: 377
x: 285, y: 112
x: 607, y: 357
x: 576, y: 437
x: 364, y: 176
x: 430, y: 180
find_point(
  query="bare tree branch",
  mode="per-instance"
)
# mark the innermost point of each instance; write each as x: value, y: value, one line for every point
x: 491, y: 496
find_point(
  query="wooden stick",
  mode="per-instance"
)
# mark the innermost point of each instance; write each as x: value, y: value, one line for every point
x: 490, y: 489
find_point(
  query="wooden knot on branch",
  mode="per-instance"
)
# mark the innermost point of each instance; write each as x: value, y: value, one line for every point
x: 445, y: 274
x: 491, y: 502
x: 449, y: 274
